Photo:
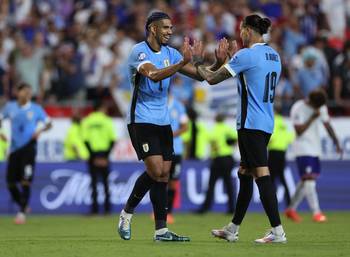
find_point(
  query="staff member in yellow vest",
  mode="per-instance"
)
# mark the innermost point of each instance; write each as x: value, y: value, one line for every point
x: 195, y: 138
x: 222, y: 140
x: 3, y: 145
x: 74, y: 146
x: 99, y: 137
x: 281, y: 138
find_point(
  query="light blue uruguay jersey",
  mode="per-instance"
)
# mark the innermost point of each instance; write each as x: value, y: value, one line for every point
x: 24, y: 122
x: 258, y: 69
x: 150, y: 99
x: 178, y: 116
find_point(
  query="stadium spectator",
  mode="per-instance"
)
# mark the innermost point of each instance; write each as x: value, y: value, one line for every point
x: 222, y: 138
x: 70, y: 78
x: 310, y: 77
x: 307, y: 116
x: 25, y: 117
x: 29, y: 68
x: 341, y: 81
x: 99, y: 137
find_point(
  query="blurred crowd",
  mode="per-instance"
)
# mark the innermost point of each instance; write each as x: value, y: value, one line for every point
x: 72, y: 52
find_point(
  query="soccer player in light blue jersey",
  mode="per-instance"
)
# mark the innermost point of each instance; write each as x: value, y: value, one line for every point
x: 258, y: 68
x: 25, y: 117
x: 179, y: 125
x: 151, y: 64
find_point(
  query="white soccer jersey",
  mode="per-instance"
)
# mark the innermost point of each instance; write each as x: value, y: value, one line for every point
x: 309, y: 142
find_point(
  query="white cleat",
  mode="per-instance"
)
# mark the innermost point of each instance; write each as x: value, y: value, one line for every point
x: 226, y: 234
x: 271, y: 237
x: 20, y: 218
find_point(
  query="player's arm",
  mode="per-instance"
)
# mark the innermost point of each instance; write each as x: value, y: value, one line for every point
x: 150, y: 71
x: 214, y: 77
x: 300, y: 128
x: 217, y: 72
x: 334, y: 137
x: 182, y: 129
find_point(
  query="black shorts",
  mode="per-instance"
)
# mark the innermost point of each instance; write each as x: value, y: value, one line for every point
x: 150, y: 139
x: 20, y: 166
x: 175, y: 169
x: 253, y: 147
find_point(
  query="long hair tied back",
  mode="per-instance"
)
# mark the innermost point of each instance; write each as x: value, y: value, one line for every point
x: 260, y: 25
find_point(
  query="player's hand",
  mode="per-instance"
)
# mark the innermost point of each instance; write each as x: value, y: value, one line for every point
x: 100, y: 162
x: 197, y: 52
x: 232, y: 48
x: 3, y: 137
x: 315, y: 114
x: 221, y: 51
x: 339, y: 151
x: 186, y: 51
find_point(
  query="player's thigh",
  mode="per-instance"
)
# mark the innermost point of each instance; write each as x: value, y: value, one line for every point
x: 175, y: 169
x: 308, y: 166
x: 28, y: 163
x: 154, y: 166
x: 253, y: 148
x: 146, y: 139
x: 13, y: 169
x: 167, y: 140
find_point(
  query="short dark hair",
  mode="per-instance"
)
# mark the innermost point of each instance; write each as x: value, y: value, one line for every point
x: 318, y: 97
x: 155, y: 16
x: 23, y: 85
x: 260, y: 25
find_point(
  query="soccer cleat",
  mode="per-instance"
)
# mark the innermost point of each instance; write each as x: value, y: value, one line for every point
x: 271, y: 237
x: 20, y: 218
x: 226, y: 234
x: 293, y: 215
x: 124, y: 226
x: 319, y: 217
x: 170, y: 237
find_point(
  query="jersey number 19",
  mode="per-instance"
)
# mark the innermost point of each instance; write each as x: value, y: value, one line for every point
x: 270, y: 85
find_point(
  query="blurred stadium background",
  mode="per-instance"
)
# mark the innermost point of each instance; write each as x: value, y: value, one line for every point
x: 73, y: 52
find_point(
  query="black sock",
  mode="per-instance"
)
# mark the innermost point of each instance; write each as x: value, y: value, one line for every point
x: 268, y: 199
x: 171, y: 196
x: 25, y: 197
x: 15, y: 194
x: 244, y: 196
x: 143, y: 183
x: 159, y: 197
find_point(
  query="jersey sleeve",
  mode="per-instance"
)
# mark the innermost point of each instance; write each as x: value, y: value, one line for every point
x: 296, y: 115
x: 42, y: 116
x: 5, y: 111
x: 183, y: 114
x: 324, y: 114
x: 240, y: 62
x: 138, y: 57
x: 175, y: 56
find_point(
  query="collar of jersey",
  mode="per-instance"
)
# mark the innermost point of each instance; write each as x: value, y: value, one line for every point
x: 258, y: 44
x: 150, y: 47
x: 26, y: 106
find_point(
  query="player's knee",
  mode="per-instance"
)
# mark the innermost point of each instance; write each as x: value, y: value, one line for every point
x: 25, y: 183
x: 11, y: 185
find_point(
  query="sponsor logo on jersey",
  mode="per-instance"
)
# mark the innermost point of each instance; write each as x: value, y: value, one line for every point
x: 141, y: 56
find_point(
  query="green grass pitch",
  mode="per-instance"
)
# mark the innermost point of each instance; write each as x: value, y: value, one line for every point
x: 75, y: 236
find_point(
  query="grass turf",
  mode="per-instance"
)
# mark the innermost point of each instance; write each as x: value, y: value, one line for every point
x: 75, y: 236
